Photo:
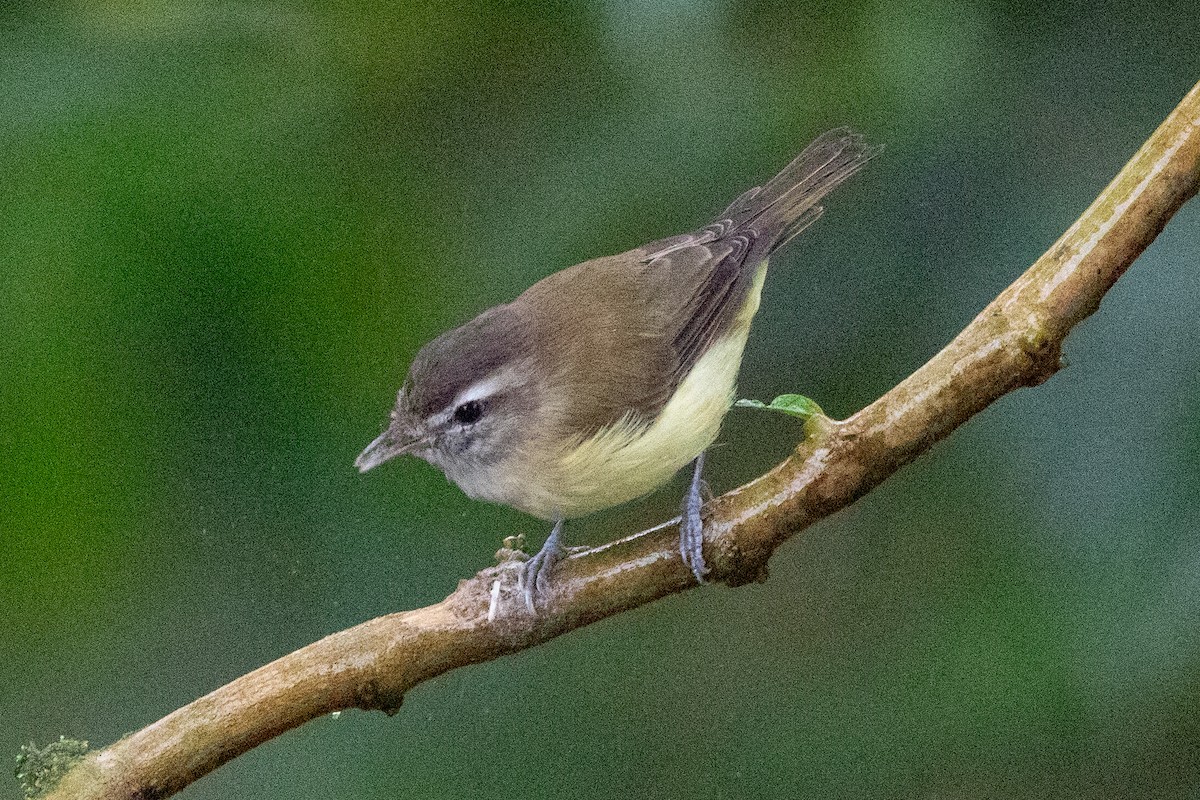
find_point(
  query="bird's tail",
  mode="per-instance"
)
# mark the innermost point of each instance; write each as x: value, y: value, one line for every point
x: 788, y: 203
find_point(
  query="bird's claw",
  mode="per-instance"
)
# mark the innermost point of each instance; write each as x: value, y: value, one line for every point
x: 534, y: 580
x: 691, y: 526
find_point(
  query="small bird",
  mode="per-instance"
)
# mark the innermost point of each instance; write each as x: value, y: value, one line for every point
x: 601, y: 381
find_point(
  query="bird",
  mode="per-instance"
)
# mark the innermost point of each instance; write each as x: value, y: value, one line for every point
x: 603, y: 380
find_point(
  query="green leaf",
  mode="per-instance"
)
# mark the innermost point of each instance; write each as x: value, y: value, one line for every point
x: 795, y: 405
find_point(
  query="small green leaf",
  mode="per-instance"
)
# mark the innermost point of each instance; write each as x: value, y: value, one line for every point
x: 795, y: 405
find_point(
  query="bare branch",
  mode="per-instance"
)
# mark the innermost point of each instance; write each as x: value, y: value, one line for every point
x: 1014, y: 342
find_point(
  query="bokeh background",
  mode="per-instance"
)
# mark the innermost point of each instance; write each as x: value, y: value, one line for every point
x: 225, y: 228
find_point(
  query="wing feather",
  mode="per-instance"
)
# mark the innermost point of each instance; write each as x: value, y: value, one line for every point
x: 718, y: 262
x: 665, y: 303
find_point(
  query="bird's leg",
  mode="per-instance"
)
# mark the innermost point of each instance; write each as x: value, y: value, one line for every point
x: 691, y: 529
x: 535, y: 575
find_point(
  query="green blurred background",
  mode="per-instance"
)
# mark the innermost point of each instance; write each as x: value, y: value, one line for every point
x: 225, y: 228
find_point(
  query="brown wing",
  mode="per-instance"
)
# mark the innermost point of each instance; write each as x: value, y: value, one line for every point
x: 610, y: 347
x: 628, y: 328
x: 715, y: 265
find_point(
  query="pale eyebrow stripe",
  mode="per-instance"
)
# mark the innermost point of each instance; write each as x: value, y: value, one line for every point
x: 504, y: 378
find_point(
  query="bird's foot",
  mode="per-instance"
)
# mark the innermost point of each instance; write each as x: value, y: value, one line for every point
x: 535, y: 573
x: 691, y: 527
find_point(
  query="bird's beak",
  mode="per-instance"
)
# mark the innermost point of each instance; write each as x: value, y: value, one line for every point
x: 391, y: 443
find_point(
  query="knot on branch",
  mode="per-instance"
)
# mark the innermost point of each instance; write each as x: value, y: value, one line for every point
x: 735, y: 565
x: 1044, y: 352
x: 373, y: 695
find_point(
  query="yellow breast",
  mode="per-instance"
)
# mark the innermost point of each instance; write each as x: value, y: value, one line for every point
x: 627, y: 460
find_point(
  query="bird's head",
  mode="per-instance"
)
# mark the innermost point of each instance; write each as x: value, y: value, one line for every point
x: 467, y: 399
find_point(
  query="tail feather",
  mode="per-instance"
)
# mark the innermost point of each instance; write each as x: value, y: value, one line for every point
x: 788, y: 203
x: 708, y: 274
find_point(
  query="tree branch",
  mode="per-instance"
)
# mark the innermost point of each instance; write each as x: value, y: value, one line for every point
x: 1016, y: 341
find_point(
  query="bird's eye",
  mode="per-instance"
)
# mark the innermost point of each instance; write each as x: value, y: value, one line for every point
x: 468, y: 412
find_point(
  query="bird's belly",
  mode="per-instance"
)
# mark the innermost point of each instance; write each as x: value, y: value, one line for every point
x: 628, y: 460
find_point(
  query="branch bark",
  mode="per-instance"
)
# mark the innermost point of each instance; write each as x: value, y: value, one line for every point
x: 1016, y: 341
